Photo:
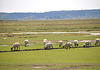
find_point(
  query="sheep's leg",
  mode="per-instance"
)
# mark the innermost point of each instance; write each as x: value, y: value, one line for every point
x: 87, y: 45
x: 14, y: 48
x: 45, y: 48
x: 25, y: 45
x: 90, y: 44
x: 18, y: 47
x: 95, y: 44
x: 65, y: 47
x: 99, y: 44
x: 52, y: 46
x: 48, y: 47
x: 69, y: 47
x: 75, y: 45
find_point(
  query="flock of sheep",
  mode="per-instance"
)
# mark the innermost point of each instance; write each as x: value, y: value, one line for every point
x: 69, y: 44
x: 48, y: 44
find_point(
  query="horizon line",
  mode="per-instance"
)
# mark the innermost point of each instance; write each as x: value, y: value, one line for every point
x: 51, y: 11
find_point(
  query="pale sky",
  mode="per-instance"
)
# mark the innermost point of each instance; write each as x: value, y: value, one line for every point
x: 47, y: 5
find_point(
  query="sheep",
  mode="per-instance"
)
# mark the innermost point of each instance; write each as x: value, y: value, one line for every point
x: 47, y: 45
x: 97, y: 41
x: 44, y: 41
x: 60, y: 43
x: 76, y: 43
x: 15, y: 45
x: 87, y: 44
x: 26, y: 42
x: 68, y: 44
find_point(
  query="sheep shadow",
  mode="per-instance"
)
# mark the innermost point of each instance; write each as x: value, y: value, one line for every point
x: 43, y: 49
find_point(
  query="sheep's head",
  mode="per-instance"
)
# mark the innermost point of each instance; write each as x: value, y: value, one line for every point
x: 94, y: 43
x: 63, y: 46
x: 59, y: 45
x: 11, y: 49
x: 83, y: 45
x: 77, y: 44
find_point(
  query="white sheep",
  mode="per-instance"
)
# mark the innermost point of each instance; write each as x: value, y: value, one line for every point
x: 26, y: 42
x: 97, y: 41
x: 76, y: 43
x: 68, y: 44
x: 44, y: 41
x: 15, y: 45
x: 87, y: 44
x: 60, y: 43
x: 48, y: 45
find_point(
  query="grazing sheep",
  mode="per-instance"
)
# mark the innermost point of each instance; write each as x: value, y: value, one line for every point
x: 68, y: 44
x: 48, y: 45
x: 97, y: 41
x: 26, y: 42
x: 76, y: 43
x: 15, y: 45
x: 60, y: 43
x: 87, y: 44
x: 44, y: 41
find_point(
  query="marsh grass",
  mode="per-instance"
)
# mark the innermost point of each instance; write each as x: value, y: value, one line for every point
x: 9, y: 39
x: 55, y: 59
x: 50, y: 25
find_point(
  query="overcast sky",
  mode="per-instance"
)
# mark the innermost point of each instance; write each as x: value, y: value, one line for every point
x: 47, y: 5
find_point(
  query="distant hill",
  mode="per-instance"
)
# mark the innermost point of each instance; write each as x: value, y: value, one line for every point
x: 74, y: 14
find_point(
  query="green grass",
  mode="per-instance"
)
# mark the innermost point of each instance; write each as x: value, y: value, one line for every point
x: 71, y: 57
x: 38, y: 38
x: 50, y: 25
x: 59, y: 59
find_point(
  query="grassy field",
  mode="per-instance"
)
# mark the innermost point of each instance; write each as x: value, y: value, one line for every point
x: 78, y: 58
x: 38, y: 38
x: 54, y: 59
x: 50, y: 25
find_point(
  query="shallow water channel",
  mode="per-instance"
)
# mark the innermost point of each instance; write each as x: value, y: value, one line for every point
x: 91, y: 33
